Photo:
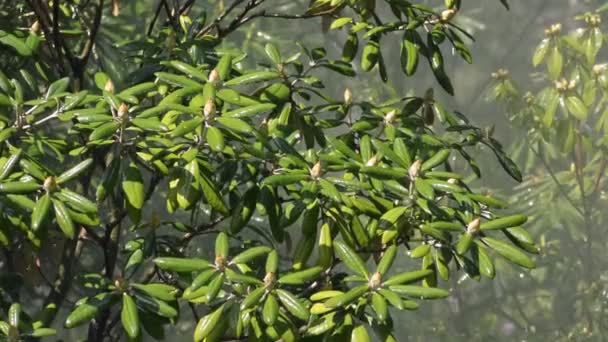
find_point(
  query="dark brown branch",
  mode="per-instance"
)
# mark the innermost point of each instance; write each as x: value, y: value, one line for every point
x: 88, y: 46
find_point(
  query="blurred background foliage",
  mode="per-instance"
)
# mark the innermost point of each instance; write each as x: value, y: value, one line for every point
x: 564, y: 298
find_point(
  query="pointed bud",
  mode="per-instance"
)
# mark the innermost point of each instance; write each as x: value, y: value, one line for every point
x: 35, y: 27
x: 473, y: 226
x: 348, y: 96
x: 373, y: 161
x: 316, y: 171
x: 415, y: 169
x: 214, y: 76
x: 390, y: 117
x: 375, y: 281
x: 123, y: 110
x: 448, y: 14
x: 269, y: 279
x: 209, y: 110
x: 49, y: 184
x: 115, y: 8
x: 109, y: 87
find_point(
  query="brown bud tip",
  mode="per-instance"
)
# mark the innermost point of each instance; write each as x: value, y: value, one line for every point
x: 209, y: 109
x: 214, y: 76
x: 473, y: 226
x: 415, y: 169
x: 49, y: 184
x: 373, y: 161
x: 109, y: 87
x: 448, y: 14
x: 316, y: 171
x: 375, y: 280
x: 35, y: 27
x: 220, y: 262
x: 348, y: 96
x: 123, y: 110
x: 115, y: 8
x: 269, y: 279
x: 390, y: 117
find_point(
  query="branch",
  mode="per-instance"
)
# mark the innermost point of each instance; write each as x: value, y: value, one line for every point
x: 88, y: 46
x: 559, y: 185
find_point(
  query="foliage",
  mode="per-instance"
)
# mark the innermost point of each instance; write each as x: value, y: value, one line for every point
x: 564, y: 117
x: 308, y: 199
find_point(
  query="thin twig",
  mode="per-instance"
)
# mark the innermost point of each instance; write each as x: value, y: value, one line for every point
x: 559, y: 185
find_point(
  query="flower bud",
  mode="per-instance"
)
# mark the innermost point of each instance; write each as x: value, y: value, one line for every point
x: 473, y: 226
x: 390, y: 117
x: 415, y: 169
x: 447, y: 15
x: 35, y: 27
x: 269, y: 279
x: 373, y: 161
x: 109, y: 86
x: 209, y: 110
x: 375, y: 281
x: 123, y: 110
x: 348, y: 96
x: 49, y: 184
x: 316, y: 171
x: 214, y: 76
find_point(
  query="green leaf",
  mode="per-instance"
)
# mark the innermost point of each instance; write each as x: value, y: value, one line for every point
x: 213, y: 196
x: 419, y: 291
x: 576, y: 107
x: 504, y: 222
x: 300, y: 277
x: 40, y: 211
x: 270, y: 311
x: 16, y: 43
x: 509, y: 252
x: 235, y: 124
x: 8, y: 166
x: 380, y: 306
x: 340, y: 22
x: 253, y: 77
x: 76, y: 201
x: 273, y: 53
x: 249, y: 111
x: 293, y: 305
x: 155, y: 306
x: 19, y: 187
x: 284, y: 179
x: 407, y: 277
x: 206, y: 324
x: 224, y: 66
x: 343, y: 300
x: 350, y: 259
x: 129, y: 316
x: 359, y: 334
x: 541, y: 52
x: 369, y: 56
x: 64, y: 220
x: 133, y: 186
x: 387, y: 259
x: 222, y: 245
x: 250, y: 254
x: 215, y: 139
x: 87, y: 310
x: 182, y: 265
x: 555, y: 63
x: 104, y: 131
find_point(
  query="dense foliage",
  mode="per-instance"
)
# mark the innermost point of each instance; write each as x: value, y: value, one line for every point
x: 563, y: 120
x: 127, y: 171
